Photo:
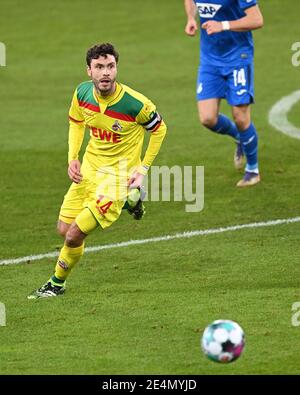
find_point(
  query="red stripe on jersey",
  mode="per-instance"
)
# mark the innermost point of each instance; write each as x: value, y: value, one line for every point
x: 118, y: 115
x: 90, y: 106
x: 75, y: 120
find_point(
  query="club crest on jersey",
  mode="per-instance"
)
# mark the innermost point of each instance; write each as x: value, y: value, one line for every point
x: 208, y: 10
x: 116, y: 126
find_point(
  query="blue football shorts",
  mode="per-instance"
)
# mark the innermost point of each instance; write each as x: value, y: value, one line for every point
x: 235, y: 84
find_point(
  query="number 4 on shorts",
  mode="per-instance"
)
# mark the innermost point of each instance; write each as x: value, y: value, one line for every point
x: 104, y: 207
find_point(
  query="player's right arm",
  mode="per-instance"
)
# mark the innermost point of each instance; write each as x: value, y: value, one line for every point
x: 191, y: 24
x: 76, y: 135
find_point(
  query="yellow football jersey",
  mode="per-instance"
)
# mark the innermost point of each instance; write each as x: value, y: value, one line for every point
x: 117, y: 124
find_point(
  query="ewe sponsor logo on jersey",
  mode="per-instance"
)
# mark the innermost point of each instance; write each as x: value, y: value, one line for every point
x: 105, y: 135
x: 208, y: 10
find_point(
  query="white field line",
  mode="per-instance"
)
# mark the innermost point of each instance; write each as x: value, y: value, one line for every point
x: 183, y: 235
x: 278, y: 115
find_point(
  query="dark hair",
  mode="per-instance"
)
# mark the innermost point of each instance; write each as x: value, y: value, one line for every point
x: 101, y: 50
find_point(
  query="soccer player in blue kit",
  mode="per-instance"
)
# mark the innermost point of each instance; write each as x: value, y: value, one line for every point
x: 226, y: 71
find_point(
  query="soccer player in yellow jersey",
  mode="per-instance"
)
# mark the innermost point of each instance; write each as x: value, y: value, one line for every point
x: 111, y: 173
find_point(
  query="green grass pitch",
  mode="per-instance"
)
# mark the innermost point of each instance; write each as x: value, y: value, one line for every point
x: 142, y: 309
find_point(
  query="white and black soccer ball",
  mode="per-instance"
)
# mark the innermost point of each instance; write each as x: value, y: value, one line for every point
x: 223, y: 341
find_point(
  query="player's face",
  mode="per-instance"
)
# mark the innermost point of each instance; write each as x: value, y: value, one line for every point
x: 103, y: 72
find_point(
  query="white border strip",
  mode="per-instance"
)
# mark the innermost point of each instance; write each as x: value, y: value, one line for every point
x: 183, y: 235
x: 278, y: 115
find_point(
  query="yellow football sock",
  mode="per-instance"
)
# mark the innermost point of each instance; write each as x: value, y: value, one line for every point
x: 67, y: 259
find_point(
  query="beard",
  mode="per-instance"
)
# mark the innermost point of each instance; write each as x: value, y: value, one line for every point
x: 105, y: 88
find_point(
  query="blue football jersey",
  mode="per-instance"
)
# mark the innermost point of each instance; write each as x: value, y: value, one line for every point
x: 226, y: 48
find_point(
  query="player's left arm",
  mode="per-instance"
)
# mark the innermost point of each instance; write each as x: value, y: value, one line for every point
x: 251, y: 21
x: 151, y: 120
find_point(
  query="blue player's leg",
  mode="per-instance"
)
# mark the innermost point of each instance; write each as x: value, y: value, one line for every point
x: 211, y: 119
x: 219, y: 123
x: 249, y: 140
x: 240, y: 94
x: 211, y: 88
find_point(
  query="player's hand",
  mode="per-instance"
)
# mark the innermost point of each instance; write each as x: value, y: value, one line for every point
x: 191, y: 27
x: 74, y: 171
x: 212, y: 27
x: 136, y: 180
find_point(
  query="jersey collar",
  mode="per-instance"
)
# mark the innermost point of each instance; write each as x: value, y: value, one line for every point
x: 109, y: 100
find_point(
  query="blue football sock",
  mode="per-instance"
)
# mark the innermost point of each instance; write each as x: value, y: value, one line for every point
x: 249, y: 142
x: 225, y: 126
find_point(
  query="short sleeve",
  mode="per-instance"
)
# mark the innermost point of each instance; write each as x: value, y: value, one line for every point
x: 244, y: 4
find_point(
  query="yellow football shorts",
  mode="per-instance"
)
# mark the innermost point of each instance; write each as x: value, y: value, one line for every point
x: 94, y: 194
